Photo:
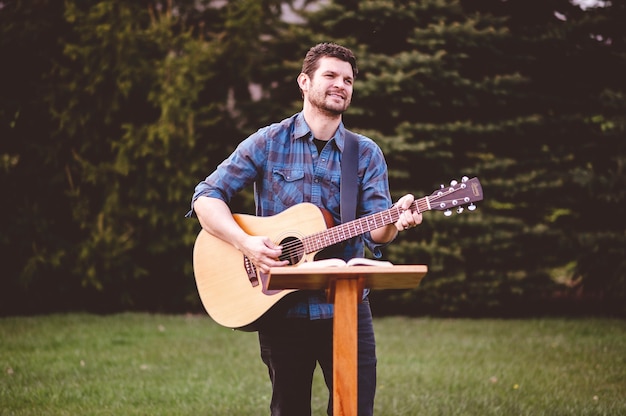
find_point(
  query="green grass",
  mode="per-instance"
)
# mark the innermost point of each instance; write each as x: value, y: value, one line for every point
x: 140, y: 364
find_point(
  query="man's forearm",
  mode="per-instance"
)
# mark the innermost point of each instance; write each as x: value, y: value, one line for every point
x: 216, y: 218
x: 384, y: 234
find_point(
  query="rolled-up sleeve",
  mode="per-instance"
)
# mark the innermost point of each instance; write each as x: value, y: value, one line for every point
x: 235, y: 173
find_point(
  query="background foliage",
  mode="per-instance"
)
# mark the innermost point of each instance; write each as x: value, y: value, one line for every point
x: 111, y: 112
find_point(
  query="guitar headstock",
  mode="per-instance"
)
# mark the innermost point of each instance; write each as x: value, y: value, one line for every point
x: 456, y: 196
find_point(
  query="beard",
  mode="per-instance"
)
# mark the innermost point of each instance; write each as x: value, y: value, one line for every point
x: 327, y: 103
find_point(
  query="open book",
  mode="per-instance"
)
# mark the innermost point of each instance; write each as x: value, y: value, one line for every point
x: 357, y: 261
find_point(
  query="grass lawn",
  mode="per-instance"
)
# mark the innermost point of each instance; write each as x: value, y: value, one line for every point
x: 141, y: 364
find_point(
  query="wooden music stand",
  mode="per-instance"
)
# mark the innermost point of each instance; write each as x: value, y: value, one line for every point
x: 344, y: 286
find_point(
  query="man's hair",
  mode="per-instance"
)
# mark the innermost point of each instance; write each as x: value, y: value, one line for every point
x: 332, y: 50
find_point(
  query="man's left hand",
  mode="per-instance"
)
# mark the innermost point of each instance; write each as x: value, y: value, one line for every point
x: 408, y: 219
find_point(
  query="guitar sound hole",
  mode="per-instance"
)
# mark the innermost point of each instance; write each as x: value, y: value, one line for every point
x: 293, y: 250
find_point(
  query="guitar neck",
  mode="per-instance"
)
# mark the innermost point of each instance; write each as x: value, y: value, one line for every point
x: 348, y: 230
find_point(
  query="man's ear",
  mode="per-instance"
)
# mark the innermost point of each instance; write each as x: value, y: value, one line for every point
x: 303, y: 81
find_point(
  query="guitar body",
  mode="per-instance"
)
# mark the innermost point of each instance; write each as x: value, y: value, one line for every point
x: 224, y: 284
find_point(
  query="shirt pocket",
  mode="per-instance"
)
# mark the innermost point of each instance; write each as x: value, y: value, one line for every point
x: 287, y: 187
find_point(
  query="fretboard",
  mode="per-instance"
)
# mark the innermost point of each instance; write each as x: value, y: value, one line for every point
x: 343, y: 232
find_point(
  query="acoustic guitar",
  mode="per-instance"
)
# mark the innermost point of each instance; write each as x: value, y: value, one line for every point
x: 235, y: 294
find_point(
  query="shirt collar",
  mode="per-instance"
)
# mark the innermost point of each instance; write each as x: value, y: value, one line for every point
x: 302, y: 130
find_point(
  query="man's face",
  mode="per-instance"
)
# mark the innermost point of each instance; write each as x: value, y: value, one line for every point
x: 330, y: 88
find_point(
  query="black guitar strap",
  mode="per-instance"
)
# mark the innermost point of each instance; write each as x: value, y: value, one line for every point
x: 349, y: 182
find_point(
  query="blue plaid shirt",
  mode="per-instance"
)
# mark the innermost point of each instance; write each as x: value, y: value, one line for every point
x: 283, y: 164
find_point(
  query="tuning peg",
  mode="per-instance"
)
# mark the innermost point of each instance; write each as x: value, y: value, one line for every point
x: 459, y: 210
x: 471, y: 207
x: 453, y: 183
x: 464, y: 179
x: 447, y: 213
x: 441, y: 186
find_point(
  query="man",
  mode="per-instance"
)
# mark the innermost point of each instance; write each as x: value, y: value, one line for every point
x: 295, y: 161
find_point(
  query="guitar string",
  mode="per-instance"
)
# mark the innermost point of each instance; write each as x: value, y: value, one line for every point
x: 341, y: 233
x: 297, y: 248
x: 338, y: 233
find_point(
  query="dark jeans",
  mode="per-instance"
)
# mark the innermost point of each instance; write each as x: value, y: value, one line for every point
x: 291, y: 349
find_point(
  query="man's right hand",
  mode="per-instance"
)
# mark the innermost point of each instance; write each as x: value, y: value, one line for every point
x: 215, y: 217
x: 262, y: 252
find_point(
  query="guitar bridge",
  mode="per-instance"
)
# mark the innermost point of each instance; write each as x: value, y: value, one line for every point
x: 251, y: 271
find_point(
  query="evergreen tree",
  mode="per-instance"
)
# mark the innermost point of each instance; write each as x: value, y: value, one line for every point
x: 485, y: 88
x: 129, y: 106
x: 569, y: 175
